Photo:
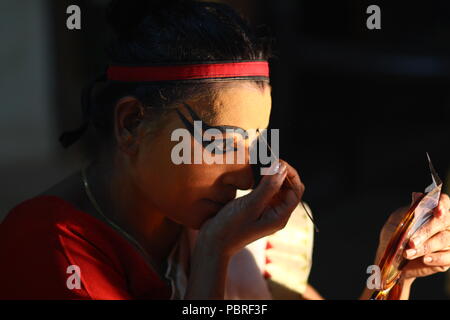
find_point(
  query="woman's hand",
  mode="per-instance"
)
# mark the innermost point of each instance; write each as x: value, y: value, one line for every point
x: 263, y: 211
x: 429, y: 248
x: 432, y: 240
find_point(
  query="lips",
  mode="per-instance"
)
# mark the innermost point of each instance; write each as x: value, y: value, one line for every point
x: 222, y: 197
x: 217, y: 203
x: 223, y: 201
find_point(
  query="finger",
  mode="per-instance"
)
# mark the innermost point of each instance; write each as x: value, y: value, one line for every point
x: 285, y: 202
x: 415, y: 196
x: 290, y: 194
x: 270, y: 185
x: 438, y: 242
x: 293, y: 181
x: 443, y: 207
x: 276, y: 216
x: 418, y: 268
x: 437, y: 223
x: 437, y: 259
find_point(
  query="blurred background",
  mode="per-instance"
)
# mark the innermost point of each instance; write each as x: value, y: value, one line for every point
x: 357, y: 109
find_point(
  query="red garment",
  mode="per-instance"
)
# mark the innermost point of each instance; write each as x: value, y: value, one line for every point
x: 42, y: 237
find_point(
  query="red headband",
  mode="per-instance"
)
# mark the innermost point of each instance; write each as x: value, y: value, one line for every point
x: 215, y: 70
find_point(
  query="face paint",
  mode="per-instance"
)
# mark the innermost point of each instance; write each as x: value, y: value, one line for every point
x: 228, y: 143
x: 220, y: 146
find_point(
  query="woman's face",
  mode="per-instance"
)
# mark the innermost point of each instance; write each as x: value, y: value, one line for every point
x: 191, y: 193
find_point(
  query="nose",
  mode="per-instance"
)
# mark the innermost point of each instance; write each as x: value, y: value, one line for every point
x: 240, y: 177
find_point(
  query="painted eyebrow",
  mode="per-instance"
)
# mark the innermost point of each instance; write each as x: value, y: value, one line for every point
x: 195, y: 117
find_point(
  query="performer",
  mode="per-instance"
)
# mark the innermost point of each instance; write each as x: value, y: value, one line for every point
x: 120, y: 228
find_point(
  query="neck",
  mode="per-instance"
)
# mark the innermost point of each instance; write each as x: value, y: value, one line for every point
x: 121, y: 201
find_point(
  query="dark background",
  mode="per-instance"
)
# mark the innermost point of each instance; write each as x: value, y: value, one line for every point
x: 357, y: 109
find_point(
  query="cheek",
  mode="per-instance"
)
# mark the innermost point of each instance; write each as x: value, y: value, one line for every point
x: 189, y: 190
x: 177, y: 191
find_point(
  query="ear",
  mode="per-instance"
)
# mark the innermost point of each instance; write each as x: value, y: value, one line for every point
x: 128, y: 117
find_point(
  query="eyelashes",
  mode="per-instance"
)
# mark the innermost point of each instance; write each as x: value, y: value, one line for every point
x: 220, y: 146
x: 215, y: 146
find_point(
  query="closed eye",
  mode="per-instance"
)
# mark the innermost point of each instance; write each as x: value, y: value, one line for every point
x: 220, y: 146
x: 216, y: 146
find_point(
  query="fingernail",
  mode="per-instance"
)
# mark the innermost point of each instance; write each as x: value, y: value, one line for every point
x: 277, y: 168
x: 282, y: 169
x: 413, y: 198
x: 411, y: 252
x: 274, y: 168
x: 427, y: 259
x: 415, y: 242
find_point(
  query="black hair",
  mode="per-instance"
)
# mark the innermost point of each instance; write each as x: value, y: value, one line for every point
x: 167, y: 31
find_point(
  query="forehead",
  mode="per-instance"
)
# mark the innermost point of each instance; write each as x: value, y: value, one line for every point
x: 243, y: 105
